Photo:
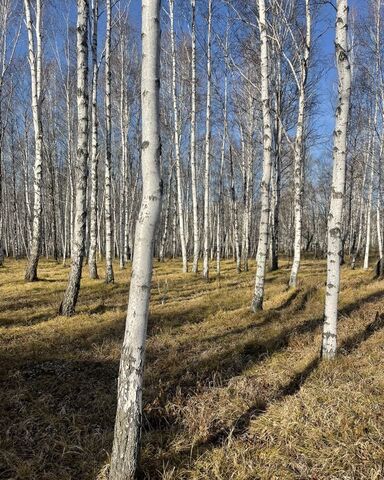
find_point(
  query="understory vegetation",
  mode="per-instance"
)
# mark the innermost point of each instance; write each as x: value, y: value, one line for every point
x: 228, y: 394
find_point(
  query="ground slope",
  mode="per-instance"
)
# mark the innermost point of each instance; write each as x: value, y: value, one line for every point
x: 228, y: 394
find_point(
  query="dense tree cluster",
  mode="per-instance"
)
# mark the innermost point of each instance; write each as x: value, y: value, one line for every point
x: 233, y: 89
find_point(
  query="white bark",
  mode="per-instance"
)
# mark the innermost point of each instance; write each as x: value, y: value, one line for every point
x: 360, y: 217
x: 94, y: 153
x: 370, y: 193
x: 35, y: 58
x: 68, y: 304
x: 196, y: 240
x: 235, y: 215
x: 207, y: 148
x: 219, y: 205
x: 124, y: 125
x: 176, y: 139
x: 129, y: 409
x: 299, y: 151
x: 109, y: 277
x: 338, y: 183
x: 257, y: 303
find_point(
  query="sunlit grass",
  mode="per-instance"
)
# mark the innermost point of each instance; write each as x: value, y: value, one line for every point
x: 228, y: 394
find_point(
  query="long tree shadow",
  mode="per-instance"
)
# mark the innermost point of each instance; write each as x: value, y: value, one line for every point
x: 239, y: 428
x: 238, y: 355
x: 351, y: 343
x: 75, y: 400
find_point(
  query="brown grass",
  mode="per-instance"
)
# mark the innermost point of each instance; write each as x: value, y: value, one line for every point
x: 228, y: 394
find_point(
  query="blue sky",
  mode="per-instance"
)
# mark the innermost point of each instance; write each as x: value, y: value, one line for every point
x: 327, y: 87
x: 328, y: 84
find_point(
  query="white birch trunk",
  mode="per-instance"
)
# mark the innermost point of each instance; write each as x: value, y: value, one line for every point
x: 109, y: 277
x: 219, y: 204
x: 196, y: 239
x: 338, y: 183
x: 360, y: 224
x: 235, y: 215
x: 257, y: 303
x: 369, y: 205
x: 166, y: 220
x: 299, y: 151
x: 35, y: 58
x: 126, y: 443
x: 68, y: 304
x: 124, y: 123
x: 94, y: 154
x: 207, y: 149
x: 176, y: 139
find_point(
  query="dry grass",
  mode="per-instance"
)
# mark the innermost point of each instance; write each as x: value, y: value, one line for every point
x: 228, y: 394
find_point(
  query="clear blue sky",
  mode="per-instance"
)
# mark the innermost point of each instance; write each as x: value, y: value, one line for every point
x: 324, y: 121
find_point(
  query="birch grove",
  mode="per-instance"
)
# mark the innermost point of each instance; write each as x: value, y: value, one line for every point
x: 143, y: 143
x: 238, y: 115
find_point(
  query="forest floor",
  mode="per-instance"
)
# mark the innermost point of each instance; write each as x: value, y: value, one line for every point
x: 228, y: 394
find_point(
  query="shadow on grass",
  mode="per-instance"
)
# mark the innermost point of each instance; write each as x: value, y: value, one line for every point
x: 239, y: 428
x: 54, y: 406
x: 59, y: 419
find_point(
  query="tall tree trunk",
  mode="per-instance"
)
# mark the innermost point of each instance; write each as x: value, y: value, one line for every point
x: 35, y: 58
x: 299, y: 152
x: 196, y: 239
x: 94, y: 154
x: 166, y: 220
x: 124, y: 123
x: 235, y: 214
x: 207, y: 149
x: 68, y: 304
x: 338, y: 183
x: 221, y: 187
x: 370, y: 193
x: 248, y: 176
x: 109, y: 277
x: 360, y: 219
x: 276, y: 173
x: 124, y: 461
x: 176, y: 139
x: 257, y: 303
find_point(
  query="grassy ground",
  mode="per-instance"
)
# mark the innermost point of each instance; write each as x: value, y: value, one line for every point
x: 228, y: 394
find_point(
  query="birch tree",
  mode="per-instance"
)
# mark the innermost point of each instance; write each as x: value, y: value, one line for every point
x: 222, y: 161
x: 196, y: 240
x: 68, y: 304
x: 128, y: 423
x: 257, y: 303
x: 35, y: 60
x: 176, y: 139
x: 298, y: 147
x: 207, y: 148
x: 109, y: 277
x: 94, y: 152
x: 338, y: 183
